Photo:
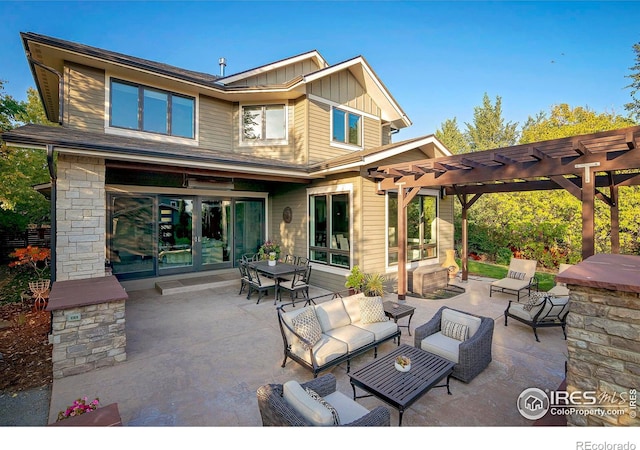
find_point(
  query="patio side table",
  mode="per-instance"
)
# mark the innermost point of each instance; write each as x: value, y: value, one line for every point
x: 397, y: 311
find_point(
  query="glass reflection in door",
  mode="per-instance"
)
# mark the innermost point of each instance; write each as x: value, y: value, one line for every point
x: 175, y: 233
x: 216, y: 228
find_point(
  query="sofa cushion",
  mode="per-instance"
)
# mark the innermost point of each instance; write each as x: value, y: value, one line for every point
x: 304, y: 405
x: 455, y: 330
x: 348, y: 409
x: 326, y: 350
x: 332, y: 315
x: 472, y: 322
x: 306, y: 325
x: 371, y: 310
x: 352, y: 306
x: 380, y: 330
x: 354, y: 337
x: 441, y: 345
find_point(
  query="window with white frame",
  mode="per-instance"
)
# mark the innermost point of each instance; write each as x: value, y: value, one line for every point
x: 264, y: 124
x: 329, y: 229
x: 422, y: 228
x: 142, y: 108
x: 346, y: 127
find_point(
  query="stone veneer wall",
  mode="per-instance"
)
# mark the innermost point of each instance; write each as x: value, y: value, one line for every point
x: 603, y: 338
x: 98, y: 339
x: 81, y: 218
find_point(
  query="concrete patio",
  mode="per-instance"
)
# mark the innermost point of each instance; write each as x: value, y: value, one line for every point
x: 196, y: 359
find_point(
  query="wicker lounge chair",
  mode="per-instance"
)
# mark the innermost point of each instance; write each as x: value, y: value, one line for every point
x: 521, y: 277
x: 471, y: 355
x: 275, y: 410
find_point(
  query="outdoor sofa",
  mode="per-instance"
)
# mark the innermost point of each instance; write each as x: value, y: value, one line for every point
x: 326, y: 334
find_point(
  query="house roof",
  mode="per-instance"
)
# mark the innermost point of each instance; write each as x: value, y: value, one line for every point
x: 47, y: 56
x: 133, y: 150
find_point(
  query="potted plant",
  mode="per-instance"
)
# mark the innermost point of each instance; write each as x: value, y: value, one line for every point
x: 267, y: 248
x: 355, y: 280
x: 373, y: 285
x: 37, y: 259
x: 272, y: 258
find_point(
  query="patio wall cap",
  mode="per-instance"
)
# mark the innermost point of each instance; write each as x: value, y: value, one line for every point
x: 605, y: 271
x: 89, y: 291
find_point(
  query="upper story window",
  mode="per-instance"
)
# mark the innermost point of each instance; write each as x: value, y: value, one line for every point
x: 264, y: 124
x: 141, y: 108
x: 347, y: 127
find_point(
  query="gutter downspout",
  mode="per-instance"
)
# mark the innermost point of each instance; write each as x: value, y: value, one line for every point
x: 60, y: 85
x: 54, y: 196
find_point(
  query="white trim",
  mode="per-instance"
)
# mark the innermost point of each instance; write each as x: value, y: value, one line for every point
x: 264, y: 143
x: 158, y: 137
x: 285, y: 62
x: 134, y: 189
x: 332, y: 189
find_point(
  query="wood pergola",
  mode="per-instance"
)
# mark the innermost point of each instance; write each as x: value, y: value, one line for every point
x: 579, y: 164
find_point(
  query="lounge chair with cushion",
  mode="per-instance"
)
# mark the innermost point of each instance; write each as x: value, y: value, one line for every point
x: 542, y: 310
x: 520, y: 278
x: 290, y: 404
x: 460, y: 337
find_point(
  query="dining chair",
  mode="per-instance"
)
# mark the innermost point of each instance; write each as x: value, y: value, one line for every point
x: 299, y: 284
x: 244, y: 275
x: 259, y: 284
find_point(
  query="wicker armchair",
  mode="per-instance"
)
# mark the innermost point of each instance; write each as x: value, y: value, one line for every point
x: 471, y: 356
x: 275, y: 411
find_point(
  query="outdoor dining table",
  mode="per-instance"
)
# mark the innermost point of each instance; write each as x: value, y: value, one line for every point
x: 277, y: 272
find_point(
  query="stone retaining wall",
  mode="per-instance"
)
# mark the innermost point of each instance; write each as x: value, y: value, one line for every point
x: 88, y: 337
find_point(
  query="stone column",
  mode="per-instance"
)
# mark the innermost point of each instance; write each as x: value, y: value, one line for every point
x: 603, y: 339
x: 81, y: 218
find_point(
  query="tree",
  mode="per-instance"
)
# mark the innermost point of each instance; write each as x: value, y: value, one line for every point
x: 10, y: 110
x: 452, y: 138
x: 489, y: 129
x: 21, y: 168
x: 634, y: 105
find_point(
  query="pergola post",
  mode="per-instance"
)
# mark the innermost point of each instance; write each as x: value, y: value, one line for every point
x: 403, y: 202
x: 588, y: 209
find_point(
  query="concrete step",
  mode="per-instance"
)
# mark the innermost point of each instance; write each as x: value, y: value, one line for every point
x: 194, y: 284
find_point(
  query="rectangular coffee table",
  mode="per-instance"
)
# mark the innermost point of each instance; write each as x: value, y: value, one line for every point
x: 400, y: 389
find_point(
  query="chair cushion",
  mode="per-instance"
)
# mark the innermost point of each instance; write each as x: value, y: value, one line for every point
x: 371, y: 310
x: 455, y: 330
x: 306, y: 325
x: 441, y: 345
x: 317, y: 397
x: 472, y: 322
x: 348, y: 409
x: 332, y: 315
x: 305, y: 405
x: 510, y: 283
x: 352, y: 306
x: 354, y: 337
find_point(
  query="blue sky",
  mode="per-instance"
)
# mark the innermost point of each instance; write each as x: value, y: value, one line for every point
x: 436, y: 58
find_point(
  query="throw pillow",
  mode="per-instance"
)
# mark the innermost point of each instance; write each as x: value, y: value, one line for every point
x: 535, y: 299
x: 455, y: 330
x: 371, y: 310
x: 314, y: 395
x: 516, y: 275
x: 306, y: 325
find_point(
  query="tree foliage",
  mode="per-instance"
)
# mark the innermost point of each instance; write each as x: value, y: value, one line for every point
x: 20, y: 204
x: 452, y: 138
x: 634, y: 105
x: 547, y: 225
x: 489, y: 129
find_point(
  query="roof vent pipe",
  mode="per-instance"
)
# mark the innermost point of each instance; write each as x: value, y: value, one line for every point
x: 223, y: 63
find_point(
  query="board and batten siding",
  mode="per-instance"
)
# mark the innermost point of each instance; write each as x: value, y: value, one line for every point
x: 215, y: 124
x: 343, y: 88
x: 84, y: 97
x: 280, y: 75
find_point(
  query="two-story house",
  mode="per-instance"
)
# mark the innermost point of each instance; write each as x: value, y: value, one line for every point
x: 165, y: 172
